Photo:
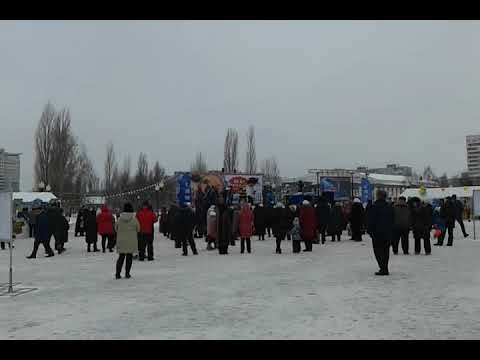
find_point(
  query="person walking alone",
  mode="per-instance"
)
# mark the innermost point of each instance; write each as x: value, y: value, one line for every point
x: 401, y: 225
x: 41, y: 235
x: 146, y: 218
x: 106, y: 228
x: 459, y: 209
x: 126, y: 228
x: 245, y: 227
x: 447, y: 211
x: 380, y: 227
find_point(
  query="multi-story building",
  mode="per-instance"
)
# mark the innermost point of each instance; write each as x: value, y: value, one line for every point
x: 9, y: 171
x: 473, y: 155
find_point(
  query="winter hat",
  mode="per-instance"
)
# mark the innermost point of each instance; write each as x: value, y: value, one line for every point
x: 305, y: 202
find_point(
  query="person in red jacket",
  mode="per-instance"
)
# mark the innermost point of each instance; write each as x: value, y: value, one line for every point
x: 245, y: 227
x: 308, y: 224
x: 105, y: 226
x: 146, y: 217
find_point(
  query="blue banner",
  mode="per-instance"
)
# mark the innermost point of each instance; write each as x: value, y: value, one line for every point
x: 367, y: 190
x: 184, y: 193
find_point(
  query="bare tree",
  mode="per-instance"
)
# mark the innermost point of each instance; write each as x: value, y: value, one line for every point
x: 157, y: 173
x: 55, y: 150
x: 251, y: 160
x: 230, y: 160
x: 64, y: 151
x: 199, y: 164
x: 44, y: 145
x: 270, y: 171
x: 86, y: 179
x: 124, y: 179
x: 141, y: 176
x: 109, y: 166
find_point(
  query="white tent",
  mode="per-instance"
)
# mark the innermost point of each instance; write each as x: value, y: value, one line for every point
x: 441, y: 193
x: 28, y: 197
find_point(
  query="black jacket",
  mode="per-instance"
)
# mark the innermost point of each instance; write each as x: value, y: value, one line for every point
x: 357, y: 217
x: 90, y: 227
x: 380, y: 220
x: 447, y: 212
x: 337, y: 221
x: 184, y: 222
x: 421, y: 219
x: 54, y: 219
x: 323, y: 213
x: 260, y: 219
x: 280, y: 222
x: 224, y: 225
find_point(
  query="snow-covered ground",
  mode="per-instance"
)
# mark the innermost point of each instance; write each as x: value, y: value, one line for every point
x: 330, y: 293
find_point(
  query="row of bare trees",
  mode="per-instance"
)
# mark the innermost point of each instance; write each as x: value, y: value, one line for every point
x: 268, y: 167
x: 118, y: 180
x: 60, y: 161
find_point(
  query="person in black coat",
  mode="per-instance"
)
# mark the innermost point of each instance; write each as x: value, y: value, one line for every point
x: 336, y: 223
x: 42, y: 235
x: 61, y: 232
x: 91, y: 230
x: 380, y: 227
x: 269, y: 220
x: 459, y: 214
x: 224, y: 227
x: 421, y: 225
x: 172, y: 226
x: 185, y: 222
x: 54, y: 222
x: 80, y: 223
x: 281, y: 225
x: 260, y: 221
x: 323, y: 213
x: 447, y: 212
x: 291, y: 215
x: 357, y: 219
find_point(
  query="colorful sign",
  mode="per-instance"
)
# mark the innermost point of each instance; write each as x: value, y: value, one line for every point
x: 251, y: 185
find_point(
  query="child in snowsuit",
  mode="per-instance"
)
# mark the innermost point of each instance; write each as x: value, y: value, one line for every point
x: 295, y: 235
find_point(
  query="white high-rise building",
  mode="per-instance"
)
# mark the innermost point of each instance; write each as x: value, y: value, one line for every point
x: 473, y: 155
x: 9, y: 171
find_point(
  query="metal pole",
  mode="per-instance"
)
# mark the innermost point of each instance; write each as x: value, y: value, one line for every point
x: 10, y: 285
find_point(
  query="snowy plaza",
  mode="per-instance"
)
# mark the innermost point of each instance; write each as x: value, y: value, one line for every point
x: 330, y: 293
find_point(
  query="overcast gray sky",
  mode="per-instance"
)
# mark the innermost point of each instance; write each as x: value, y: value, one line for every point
x: 320, y: 94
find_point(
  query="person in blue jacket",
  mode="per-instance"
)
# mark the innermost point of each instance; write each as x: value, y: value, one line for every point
x: 42, y: 235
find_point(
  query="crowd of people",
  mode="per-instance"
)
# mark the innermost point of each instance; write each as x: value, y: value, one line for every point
x: 223, y: 224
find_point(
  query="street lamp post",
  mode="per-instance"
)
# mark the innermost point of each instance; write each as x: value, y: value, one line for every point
x: 157, y: 189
